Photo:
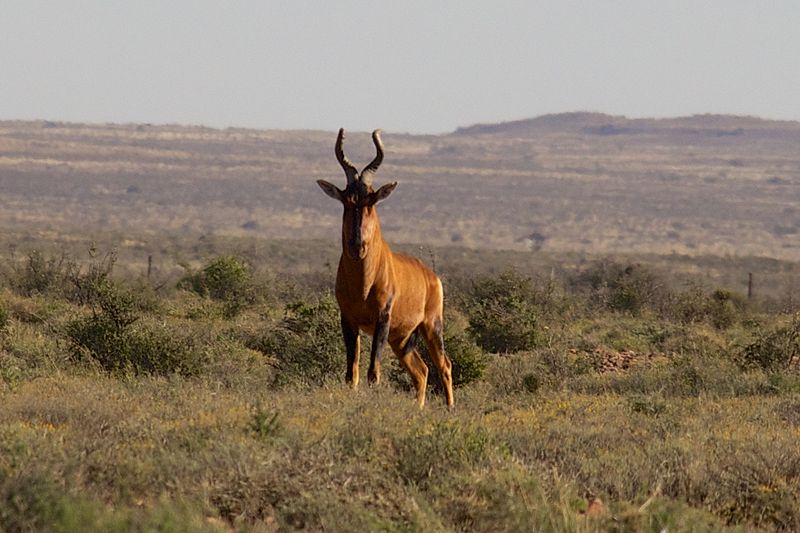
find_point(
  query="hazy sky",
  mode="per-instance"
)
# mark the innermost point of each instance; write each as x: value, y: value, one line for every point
x: 418, y: 66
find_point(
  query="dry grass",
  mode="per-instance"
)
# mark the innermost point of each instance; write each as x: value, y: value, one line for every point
x: 338, y: 460
x: 684, y: 439
x: 630, y: 407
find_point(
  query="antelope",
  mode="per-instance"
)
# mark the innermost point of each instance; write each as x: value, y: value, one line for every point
x: 387, y: 295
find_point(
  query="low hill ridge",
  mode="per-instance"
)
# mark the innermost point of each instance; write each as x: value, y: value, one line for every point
x: 605, y: 124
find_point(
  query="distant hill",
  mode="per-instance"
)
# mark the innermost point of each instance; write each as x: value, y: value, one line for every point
x: 603, y: 124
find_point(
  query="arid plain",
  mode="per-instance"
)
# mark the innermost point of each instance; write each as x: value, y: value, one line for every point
x: 577, y: 182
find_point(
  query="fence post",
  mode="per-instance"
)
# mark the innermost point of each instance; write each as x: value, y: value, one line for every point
x: 749, y: 285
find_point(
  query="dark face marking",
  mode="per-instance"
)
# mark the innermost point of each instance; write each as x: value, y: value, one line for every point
x: 354, y: 240
x: 360, y: 219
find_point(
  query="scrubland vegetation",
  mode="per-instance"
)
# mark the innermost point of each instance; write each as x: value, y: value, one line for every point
x: 185, y: 373
x: 609, y: 394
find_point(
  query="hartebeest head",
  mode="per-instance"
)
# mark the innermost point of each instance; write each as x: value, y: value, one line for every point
x: 360, y: 220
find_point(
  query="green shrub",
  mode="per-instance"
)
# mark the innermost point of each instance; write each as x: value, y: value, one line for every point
x: 139, y: 349
x: 531, y: 372
x: 688, y: 305
x: 113, y: 337
x: 307, y: 344
x: 722, y: 308
x: 725, y: 308
x: 757, y: 484
x: 263, y: 424
x: 469, y: 361
x: 86, y: 284
x: 502, y: 314
x: 29, y: 503
x: 773, y: 350
x: 229, y: 364
x: 37, y: 273
x: 531, y: 383
x: 62, y: 276
x: 627, y: 288
x: 225, y: 278
x: 11, y: 371
x: 789, y: 411
x: 652, y: 405
x: 221, y: 278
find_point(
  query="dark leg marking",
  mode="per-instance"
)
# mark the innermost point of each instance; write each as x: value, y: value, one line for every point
x: 350, y: 335
x: 379, y: 339
x: 411, y: 342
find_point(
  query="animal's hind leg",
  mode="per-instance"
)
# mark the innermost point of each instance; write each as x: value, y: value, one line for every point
x: 414, y: 365
x: 352, y: 344
x: 434, y: 338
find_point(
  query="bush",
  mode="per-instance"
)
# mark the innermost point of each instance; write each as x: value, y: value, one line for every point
x: 757, y: 484
x: 469, y: 361
x: 39, y: 274
x: 725, y: 308
x: 618, y: 287
x: 531, y: 383
x: 225, y: 278
x: 652, y: 404
x: 29, y: 503
x: 112, y: 337
x: 61, y: 276
x: 502, y: 314
x: 140, y: 349
x: 532, y: 372
x: 34, y: 502
x: 84, y: 285
x: 263, y: 424
x: 773, y: 350
x: 307, y: 344
x: 721, y: 307
x: 687, y: 306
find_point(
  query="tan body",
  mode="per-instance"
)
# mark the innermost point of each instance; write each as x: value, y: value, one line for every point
x: 386, y: 295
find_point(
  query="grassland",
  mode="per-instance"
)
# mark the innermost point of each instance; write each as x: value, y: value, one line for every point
x: 131, y: 404
x: 170, y: 355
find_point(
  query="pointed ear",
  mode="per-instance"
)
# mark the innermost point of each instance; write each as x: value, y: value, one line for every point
x: 330, y: 189
x: 382, y: 193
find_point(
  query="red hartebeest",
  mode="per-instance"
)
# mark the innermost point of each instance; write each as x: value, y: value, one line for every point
x: 387, y: 295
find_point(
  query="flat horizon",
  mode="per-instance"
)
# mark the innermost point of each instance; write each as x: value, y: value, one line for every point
x: 413, y: 67
x: 464, y: 126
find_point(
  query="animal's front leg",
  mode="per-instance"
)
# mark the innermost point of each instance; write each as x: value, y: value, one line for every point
x: 353, y: 348
x: 378, y: 342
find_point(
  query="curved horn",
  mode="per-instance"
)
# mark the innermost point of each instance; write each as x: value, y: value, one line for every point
x: 369, y: 170
x: 349, y: 170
